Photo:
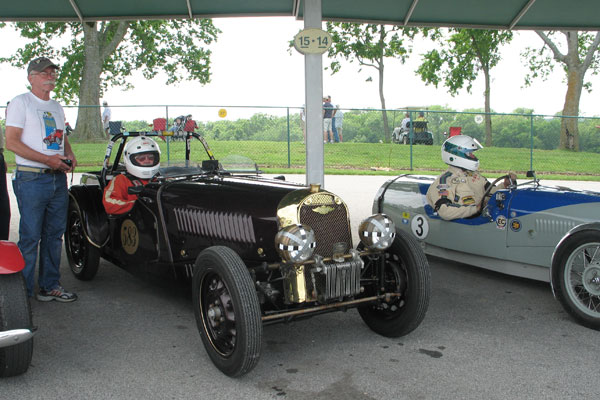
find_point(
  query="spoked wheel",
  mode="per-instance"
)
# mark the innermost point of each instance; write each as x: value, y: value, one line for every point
x: 227, y: 310
x: 15, y: 313
x: 576, y: 278
x: 83, y: 257
x: 406, y: 272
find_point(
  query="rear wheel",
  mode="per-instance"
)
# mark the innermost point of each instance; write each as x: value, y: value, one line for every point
x: 227, y: 310
x: 406, y: 272
x: 576, y: 278
x: 15, y: 313
x: 83, y: 257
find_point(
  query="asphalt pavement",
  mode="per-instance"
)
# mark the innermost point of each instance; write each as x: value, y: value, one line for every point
x: 485, y: 336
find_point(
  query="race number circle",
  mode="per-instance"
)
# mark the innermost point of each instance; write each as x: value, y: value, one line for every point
x: 222, y: 113
x: 478, y: 118
x: 312, y: 41
x: 419, y: 226
x: 130, y: 239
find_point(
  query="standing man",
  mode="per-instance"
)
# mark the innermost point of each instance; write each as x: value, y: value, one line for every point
x: 106, y: 118
x: 34, y: 132
x: 4, y: 200
x: 328, y: 112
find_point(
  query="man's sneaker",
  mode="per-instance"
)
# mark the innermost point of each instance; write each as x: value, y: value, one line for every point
x: 58, y: 293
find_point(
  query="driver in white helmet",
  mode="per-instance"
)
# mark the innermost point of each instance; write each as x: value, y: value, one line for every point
x: 142, y: 161
x: 458, y: 192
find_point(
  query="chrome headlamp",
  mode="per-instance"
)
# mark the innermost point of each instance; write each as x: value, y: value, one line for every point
x: 295, y: 243
x: 377, y: 232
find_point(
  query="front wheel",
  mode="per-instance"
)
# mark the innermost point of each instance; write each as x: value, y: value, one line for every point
x: 576, y: 278
x: 406, y: 272
x: 227, y: 310
x: 15, y: 313
x: 83, y: 257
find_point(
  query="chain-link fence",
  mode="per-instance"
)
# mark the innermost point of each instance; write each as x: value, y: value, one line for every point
x: 273, y: 137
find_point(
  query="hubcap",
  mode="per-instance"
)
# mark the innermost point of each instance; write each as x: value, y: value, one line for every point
x: 218, y: 315
x: 591, y: 279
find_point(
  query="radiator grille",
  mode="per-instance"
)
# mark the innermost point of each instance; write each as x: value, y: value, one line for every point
x: 329, y: 220
x: 335, y: 281
x: 218, y: 225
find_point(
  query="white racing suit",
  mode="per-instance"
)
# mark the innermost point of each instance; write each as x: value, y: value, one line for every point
x: 457, y: 193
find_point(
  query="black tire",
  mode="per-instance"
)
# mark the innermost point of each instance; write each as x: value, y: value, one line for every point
x: 83, y: 257
x: 15, y: 313
x: 407, y: 271
x: 222, y: 287
x: 576, y: 278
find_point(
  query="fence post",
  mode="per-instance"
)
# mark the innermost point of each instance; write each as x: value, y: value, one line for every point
x: 288, y: 134
x: 531, y: 145
x: 167, y: 138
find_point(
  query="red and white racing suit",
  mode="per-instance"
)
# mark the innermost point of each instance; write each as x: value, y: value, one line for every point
x: 116, y: 200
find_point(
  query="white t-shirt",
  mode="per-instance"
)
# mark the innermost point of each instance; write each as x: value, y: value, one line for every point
x: 43, y: 124
x: 106, y: 117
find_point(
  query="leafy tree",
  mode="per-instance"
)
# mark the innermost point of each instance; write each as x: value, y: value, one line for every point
x: 581, y: 55
x: 97, y: 55
x: 459, y: 59
x: 369, y: 45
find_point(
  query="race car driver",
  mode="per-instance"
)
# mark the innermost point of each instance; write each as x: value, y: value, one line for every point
x: 458, y: 192
x: 142, y: 161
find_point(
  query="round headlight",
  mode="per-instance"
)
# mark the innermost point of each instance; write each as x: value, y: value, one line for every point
x: 377, y: 232
x: 295, y: 243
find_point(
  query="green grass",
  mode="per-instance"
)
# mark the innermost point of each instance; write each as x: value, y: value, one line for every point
x: 369, y: 158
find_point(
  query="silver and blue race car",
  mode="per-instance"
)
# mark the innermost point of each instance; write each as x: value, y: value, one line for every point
x: 528, y: 230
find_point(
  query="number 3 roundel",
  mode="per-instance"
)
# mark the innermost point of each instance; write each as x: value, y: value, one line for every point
x: 419, y: 226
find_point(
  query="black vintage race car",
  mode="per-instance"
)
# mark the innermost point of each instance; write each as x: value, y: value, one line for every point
x: 256, y: 251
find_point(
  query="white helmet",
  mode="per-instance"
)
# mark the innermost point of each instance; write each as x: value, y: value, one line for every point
x: 458, y: 151
x: 137, y: 146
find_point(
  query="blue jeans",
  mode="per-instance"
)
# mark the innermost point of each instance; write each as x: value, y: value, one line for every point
x: 43, y: 204
x: 336, y: 137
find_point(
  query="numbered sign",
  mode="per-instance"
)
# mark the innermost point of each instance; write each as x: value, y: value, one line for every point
x: 222, y: 113
x: 312, y: 41
x: 419, y: 226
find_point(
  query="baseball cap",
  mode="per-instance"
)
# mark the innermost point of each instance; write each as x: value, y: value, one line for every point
x: 40, y: 64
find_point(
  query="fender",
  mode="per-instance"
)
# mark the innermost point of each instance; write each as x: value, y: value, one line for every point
x: 88, y: 199
x: 11, y: 260
x: 592, y: 226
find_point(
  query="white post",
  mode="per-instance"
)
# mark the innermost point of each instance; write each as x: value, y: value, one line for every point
x: 313, y: 75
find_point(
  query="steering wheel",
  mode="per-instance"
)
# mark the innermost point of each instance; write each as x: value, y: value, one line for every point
x: 489, y: 189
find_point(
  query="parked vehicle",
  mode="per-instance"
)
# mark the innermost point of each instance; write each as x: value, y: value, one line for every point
x: 16, y: 328
x: 256, y: 251
x: 421, y: 134
x: 546, y: 233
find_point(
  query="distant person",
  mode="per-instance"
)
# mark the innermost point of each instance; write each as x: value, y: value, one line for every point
x: 4, y: 199
x: 328, y: 112
x: 421, y: 127
x: 190, y: 124
x: 405, y: 124
x: 142, y: 162
x: 34, y: 124
x: 458, y: 192
x: 338, y: 122
x: 106, y: 115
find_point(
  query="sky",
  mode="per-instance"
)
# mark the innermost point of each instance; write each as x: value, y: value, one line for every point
x: 252, y: 66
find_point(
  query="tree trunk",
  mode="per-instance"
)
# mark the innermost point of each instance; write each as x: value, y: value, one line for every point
x: 386, y: 125
x: 89, y: 120
x: 487, y: 109
x: 569, y: 127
